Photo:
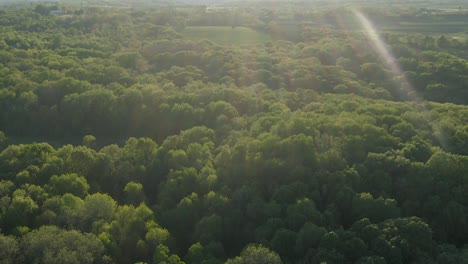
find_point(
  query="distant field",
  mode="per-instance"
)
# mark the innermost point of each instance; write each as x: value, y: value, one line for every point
x: 226, y: 35
x: 441, y: 27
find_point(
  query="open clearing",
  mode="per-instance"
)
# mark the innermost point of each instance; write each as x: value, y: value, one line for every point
x: 226, y: 35
x: 445, y: 27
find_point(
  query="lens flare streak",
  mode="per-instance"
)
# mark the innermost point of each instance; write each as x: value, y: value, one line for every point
x: 378, y: 43
x: 399, y: 77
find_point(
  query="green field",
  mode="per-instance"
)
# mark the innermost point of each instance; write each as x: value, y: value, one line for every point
x: 443, y: 27
x: 226, y: 35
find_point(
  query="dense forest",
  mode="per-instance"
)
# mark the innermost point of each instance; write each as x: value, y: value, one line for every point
x: 124, y: 139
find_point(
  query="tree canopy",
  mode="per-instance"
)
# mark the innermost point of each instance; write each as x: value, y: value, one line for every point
x: 125, y: 140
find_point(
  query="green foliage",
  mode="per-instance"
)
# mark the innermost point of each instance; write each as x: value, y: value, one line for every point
x: 284, y: 136
x: 68, y: 183
x: 162, y: 255
x: 256, y: 254
x: 89, y: 141
x: 134, y: 193
x: 3, y: 139
x: 20, y: 211
x: 9, y: 249
x: 97, y: 209
x: 50, y: 244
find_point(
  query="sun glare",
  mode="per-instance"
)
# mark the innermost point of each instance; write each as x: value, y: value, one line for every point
x: 380, y: 47
x: 400, y: 81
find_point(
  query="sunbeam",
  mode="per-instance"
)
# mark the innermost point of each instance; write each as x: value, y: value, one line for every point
x: 401, y: 82
x: 386, y: 55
